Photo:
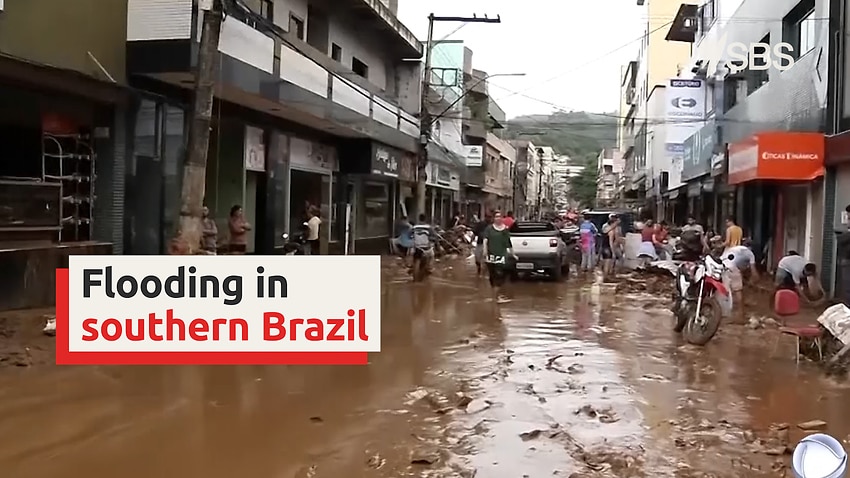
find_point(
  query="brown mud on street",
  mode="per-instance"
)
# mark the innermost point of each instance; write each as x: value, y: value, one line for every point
x: 566, y: 379
x: 22, y: 340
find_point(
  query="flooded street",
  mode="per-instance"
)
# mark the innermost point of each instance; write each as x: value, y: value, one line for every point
x: 569, y: 379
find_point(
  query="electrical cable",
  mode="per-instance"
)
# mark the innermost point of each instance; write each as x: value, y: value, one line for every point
x: 638, y: 39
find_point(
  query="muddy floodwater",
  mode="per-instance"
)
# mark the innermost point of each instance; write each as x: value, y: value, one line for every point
x: 566, y: 379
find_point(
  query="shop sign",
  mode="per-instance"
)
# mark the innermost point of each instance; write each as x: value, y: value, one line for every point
x: 385, y: 161
x: 474, y: 155
x: 407, y: 168
x: 698, y: 149
x: 718, y: 164
x: 442, y: 177
x: 780, y: 156
x: 255, y: 150
x: 311, y: 157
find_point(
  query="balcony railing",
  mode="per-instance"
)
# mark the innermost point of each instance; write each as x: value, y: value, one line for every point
x: 256, y: 45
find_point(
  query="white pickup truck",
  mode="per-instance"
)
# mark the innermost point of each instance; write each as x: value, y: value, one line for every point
x: 540, y: 249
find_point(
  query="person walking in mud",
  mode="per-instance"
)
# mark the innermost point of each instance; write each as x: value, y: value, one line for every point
x: 587, y: 237
x: 479, y: 228
x: 609, y: 241
x: 497, y: 250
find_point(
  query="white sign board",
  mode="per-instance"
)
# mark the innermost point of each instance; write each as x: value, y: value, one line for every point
x: 311, y: 157
x: 255, y: 150
x: 474, y: 155
x: 685, y: 110
x: 685, y: 101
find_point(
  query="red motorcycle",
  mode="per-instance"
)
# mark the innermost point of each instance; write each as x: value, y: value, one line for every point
x: 702, y: 300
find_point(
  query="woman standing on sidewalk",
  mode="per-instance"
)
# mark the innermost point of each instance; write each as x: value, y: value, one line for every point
x: 239, y: 228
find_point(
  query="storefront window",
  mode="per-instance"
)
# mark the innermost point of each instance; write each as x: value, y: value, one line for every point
x: 374, y: 210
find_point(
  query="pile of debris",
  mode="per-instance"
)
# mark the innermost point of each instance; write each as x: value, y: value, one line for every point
x: 653, y: 279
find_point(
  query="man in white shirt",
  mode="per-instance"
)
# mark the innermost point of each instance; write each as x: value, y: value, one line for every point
x: 793, y: 272
x: 742, y: 258
x: 313, y: 225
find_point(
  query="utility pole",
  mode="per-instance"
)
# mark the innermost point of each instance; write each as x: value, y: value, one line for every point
x: 188, y: 240
x: 425, y: 120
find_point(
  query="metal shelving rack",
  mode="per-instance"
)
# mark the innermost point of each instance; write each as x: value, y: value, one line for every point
x: 68, y: 160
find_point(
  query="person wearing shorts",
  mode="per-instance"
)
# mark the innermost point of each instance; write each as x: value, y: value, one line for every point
x: 740, y: 262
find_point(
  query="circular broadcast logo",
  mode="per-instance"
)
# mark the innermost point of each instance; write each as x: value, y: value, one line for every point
x: 819, y: 456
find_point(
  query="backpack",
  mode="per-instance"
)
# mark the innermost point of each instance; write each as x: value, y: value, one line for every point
x: 422, y: 237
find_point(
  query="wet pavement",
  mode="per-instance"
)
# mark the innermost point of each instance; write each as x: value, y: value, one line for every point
x: 570, y: 379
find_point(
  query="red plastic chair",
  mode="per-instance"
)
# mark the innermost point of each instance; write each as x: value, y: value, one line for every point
x: 787, y: 303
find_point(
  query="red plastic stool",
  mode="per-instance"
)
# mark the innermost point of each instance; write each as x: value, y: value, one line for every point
x: 804, y: 332
x: 786, y: 302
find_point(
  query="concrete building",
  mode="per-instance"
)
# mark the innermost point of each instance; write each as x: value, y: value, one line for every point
x: 657, y: 61
x: 62, y: 125
x: 609, y: 168
x: 526, y: 179
x: 767, y: 166
x: 447, y: 155
x: 316, y: 103
x: 500, y: 162
x: 481, y: 116
x: 536, y: 182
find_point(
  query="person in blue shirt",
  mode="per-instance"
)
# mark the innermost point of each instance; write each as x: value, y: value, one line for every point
x: 587, y: 235
x: 403, y: 238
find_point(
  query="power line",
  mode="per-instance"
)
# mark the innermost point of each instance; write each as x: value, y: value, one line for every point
x: 629, y: 43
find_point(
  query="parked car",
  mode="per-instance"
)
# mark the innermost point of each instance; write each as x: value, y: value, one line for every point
x: 540, y: 249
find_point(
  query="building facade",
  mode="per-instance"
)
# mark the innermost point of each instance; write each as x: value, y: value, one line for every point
x: 759, y: 157
x: 309, y: 110
x: 63, y: 99
x: 481, y: 117
x: 609, y: 168
x: 657, y: 61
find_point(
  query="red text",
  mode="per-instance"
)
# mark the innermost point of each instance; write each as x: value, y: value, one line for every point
x: 175, y: 329
x: 277, y: 327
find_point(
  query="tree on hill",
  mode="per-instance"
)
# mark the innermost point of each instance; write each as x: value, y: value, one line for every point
x: 578, y: 134
x: 582, y: 187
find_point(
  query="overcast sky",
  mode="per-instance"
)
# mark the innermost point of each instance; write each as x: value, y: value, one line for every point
x: 563, y: 47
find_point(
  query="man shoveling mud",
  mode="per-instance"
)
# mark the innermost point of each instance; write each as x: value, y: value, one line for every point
x: 795, y: 272
x: 741, y: 263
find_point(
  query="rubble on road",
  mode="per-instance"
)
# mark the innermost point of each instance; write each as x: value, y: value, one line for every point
x: 24, y: 339
x: 660, y: 284
x: 756, y: 322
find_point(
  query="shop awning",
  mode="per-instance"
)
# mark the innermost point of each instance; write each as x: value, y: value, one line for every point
x: 779, y: 156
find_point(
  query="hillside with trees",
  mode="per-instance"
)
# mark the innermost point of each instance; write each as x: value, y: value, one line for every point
x: 578, y: 134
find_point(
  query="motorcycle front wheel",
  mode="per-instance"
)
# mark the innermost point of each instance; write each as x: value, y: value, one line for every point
x: 699, y: 332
